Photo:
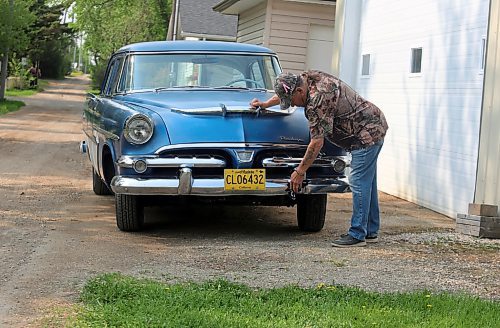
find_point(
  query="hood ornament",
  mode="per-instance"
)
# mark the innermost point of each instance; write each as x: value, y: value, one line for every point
x: 224, y: 109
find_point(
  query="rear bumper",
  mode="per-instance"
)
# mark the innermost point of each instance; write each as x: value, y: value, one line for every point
x: 186, y: 185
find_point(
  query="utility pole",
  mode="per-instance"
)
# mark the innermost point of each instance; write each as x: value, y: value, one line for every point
x: 5, y: 59
x: 80, y: 53
x: 73, y: 67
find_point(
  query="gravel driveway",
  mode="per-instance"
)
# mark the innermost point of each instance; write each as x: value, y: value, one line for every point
x: 55, y: 233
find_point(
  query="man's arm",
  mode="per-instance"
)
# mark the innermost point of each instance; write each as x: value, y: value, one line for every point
x: 312, y: 152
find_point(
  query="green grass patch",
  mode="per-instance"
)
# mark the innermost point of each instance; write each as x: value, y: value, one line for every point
x: 42, y: 84
x: 113, y: 300
x: 7, y: 106
x: 94, y: 91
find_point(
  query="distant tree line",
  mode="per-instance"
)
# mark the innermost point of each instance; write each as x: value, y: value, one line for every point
x: 44, y: 32
x: 32, y: 29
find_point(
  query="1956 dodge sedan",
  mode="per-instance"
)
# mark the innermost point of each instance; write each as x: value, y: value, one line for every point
x: 173, y: 123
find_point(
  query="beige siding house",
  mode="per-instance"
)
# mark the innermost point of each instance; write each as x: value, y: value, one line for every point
x: 299, y: 31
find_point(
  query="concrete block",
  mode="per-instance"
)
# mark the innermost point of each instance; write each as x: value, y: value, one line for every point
x: 478, y: 226
x: 483, y: 209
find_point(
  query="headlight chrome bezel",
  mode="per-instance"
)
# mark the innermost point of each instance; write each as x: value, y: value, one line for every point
x: 128, y: 122
x: 339, y: 165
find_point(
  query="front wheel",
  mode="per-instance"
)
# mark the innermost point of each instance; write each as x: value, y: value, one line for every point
x: 98, y: 185
x: 311, y: 211
x: 129, y: 212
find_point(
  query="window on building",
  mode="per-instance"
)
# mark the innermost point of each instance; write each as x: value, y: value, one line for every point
x: 365, y: 68
x: 416, y: 60
x: 483, y: 53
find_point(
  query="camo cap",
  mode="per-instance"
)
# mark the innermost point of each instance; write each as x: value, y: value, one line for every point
x: 284, y: 86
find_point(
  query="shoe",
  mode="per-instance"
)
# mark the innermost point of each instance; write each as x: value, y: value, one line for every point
x: 348, y: 241
x: 371, y: 239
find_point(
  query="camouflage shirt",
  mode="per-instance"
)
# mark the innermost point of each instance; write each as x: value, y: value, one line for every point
x: 337, y: 112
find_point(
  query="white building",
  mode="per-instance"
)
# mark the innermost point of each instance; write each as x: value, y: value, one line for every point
x: 423, y: 63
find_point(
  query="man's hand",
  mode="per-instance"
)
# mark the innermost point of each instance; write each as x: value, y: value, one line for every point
x: 273, y: 101
x: 296, y: 180
x: 299, y: 173
x: 255, y: 103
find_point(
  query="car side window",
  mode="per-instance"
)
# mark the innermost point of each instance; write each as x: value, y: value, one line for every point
x: 112, y: 77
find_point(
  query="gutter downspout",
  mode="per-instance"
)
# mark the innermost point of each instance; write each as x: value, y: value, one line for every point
x: 176, y: 20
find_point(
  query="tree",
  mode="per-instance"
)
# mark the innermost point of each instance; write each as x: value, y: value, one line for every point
x: 15, y: 18
x: 49, y: 38
x: 110, y: 24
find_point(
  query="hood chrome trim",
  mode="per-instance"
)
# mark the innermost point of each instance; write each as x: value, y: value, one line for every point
x: 224, y: 109
x: 229, y: 145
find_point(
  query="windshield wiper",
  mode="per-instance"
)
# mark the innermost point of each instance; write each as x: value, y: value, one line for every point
x: 181, y: 87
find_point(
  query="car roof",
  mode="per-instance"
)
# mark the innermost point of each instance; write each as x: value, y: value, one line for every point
x: 162, y: 46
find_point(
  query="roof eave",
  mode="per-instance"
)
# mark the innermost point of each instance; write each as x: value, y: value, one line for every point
x: 235, y: 7
x: 214, y: 37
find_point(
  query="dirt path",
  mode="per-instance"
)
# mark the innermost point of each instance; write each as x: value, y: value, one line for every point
x: 55, y: 233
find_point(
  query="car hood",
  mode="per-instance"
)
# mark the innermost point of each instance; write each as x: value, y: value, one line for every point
x: 222, y: 116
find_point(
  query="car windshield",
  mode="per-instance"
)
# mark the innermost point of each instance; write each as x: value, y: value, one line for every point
x: 158, y: 71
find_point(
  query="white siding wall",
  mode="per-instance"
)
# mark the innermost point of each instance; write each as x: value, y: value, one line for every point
x: 251, y: 24
x: 430, y: 153
x: 289, y: 31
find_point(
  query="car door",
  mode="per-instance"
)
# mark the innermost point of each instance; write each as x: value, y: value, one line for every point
x: 97, y: 106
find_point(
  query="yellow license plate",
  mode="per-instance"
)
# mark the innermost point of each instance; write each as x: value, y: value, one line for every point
x: 244, y: 179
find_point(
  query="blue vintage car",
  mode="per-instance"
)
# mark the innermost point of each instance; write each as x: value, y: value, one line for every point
x: 173, y: 122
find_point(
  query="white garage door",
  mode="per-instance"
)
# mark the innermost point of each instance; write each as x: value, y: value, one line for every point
x: 430, y: 152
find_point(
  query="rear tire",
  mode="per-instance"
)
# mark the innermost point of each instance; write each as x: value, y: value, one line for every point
x: 129, y: 212
x: 98, y: 185
x: 311, y: 211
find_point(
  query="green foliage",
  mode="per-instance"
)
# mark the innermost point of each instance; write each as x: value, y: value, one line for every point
x: 14, y: 25
x: 58, y: 63
x: 50, y: 39
x: 110, y: 24
x: 114, y: 300
x: 7, y: 106
x: 15, y: 18
x: 17, y: 69
x: 97, y: 73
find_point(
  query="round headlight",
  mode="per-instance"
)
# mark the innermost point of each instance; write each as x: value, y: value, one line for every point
x: 140, y: 166
x: 138, y: 129
x: 339, y: 165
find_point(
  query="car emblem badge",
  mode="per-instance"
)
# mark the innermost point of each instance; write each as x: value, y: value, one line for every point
x: 244, y: 156
x: 291, y: 139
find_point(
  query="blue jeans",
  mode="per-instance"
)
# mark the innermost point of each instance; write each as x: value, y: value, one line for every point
x: 365, y: 219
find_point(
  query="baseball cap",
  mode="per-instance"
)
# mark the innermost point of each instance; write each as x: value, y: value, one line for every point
x: 284, y: 86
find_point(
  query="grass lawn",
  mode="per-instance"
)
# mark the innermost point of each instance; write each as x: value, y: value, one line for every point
x: 42, y: 84
x: 7, y: 106
x: 76, y: 73
x: 113, y: 300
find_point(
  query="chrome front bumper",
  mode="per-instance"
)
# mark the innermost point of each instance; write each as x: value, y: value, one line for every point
x: 187, y: 185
